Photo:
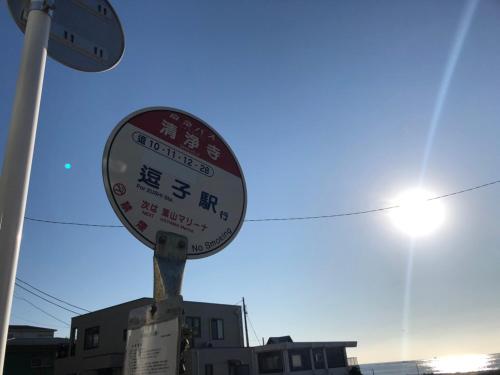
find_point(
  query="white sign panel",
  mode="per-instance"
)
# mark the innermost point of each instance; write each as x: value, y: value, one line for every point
x: 166, y: 170
x: 152, y: 349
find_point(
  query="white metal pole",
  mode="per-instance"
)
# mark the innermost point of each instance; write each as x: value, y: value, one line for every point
x: 18, y: 156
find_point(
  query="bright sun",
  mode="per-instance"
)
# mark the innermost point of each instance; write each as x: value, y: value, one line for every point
x: 416, y: 215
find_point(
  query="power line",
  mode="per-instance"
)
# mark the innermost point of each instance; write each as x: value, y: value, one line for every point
x: 42, y: 310
x: 51, y: 296
x: 465, y: 190
x: 47, y: 300
x: 324, y: 216
x: 253, y: 329
x: 73, y: 223
x: 352, y: 213
x: 373, y: 210
x: 251, y: 325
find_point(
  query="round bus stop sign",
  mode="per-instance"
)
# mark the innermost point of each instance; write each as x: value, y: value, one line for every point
x: 166, y: 170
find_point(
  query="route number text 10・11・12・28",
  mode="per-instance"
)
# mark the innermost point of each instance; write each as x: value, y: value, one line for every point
x: 173, y: 154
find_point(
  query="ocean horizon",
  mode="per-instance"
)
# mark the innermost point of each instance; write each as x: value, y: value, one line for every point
x: 436, y: 365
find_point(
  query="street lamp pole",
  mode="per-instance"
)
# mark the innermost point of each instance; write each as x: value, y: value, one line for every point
x: 19, y: 155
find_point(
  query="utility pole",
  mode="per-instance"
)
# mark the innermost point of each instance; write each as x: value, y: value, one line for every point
x: 245, y: 316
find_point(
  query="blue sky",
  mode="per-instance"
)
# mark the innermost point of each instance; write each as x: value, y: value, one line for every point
x: 327, y: 106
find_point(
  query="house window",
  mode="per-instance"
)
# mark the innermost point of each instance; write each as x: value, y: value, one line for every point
x: 194, y: 324
x: 336, y: 357
x: 209, y: 369
x: 217, y: 329
x: 91, y: 338
x: 318, y: 358
x: 270, y: 362
x: 299, y: 359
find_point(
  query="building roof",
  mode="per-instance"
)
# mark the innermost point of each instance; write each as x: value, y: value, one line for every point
x: 146, y: 301
x: 211, y: 303
x: 284, y: 346
x: 143, y: 300
x: 276, y: 340
x: 312, y: 344
x: 30, y: 328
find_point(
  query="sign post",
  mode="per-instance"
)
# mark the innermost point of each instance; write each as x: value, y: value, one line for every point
x: 18, y: 157
x: 43, y: 30
x: 178, y: 188
x: 169, y: 261
x: 154, y: 332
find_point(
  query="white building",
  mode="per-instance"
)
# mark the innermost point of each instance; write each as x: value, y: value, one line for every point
x: 98, y: 339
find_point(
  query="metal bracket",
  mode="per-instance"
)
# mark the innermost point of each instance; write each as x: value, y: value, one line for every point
x: 44, y: 5
x: 169, y: 261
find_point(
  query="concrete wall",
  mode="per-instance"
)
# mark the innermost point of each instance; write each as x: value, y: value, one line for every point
x: 110, y: 352
x: 219, y: 358
x: 231, y: 315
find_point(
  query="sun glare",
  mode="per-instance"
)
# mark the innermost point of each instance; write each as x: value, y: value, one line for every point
x: 463, y: 363
x: 416, y: 215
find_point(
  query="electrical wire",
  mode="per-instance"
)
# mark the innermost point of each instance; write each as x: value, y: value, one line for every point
x: 465, y: 190
x: 72, y: 223
x: 324, y: 216
x: 353, y: 213
x: 373, y: 210
x: 51, y: 296
x: 42, y: 310
x: 253, y: 329
x: 47, y: 300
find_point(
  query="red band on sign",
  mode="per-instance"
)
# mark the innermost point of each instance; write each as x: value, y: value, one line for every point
x: 188, y: 134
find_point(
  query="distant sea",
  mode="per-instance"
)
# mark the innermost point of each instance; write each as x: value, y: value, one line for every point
x: 434, y: 366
